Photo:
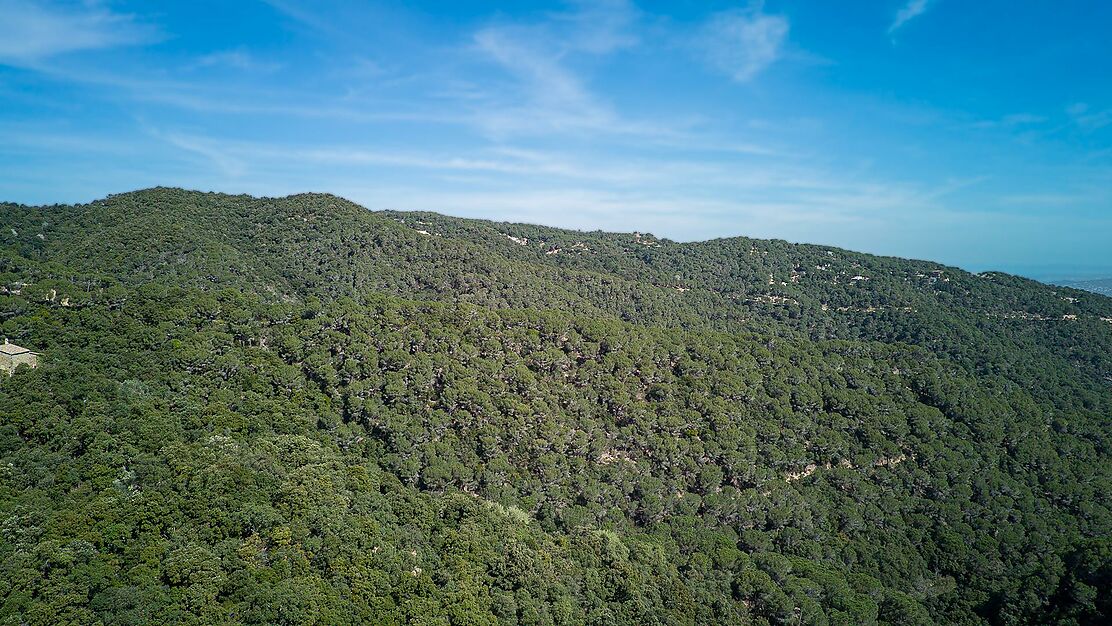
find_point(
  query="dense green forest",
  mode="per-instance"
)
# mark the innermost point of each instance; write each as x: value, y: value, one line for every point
x: 298, y: 411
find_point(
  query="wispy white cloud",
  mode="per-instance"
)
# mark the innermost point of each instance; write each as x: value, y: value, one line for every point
x: 546, y: 81
x: 213, y: 151
x: 1044, y: 199
x: 550, y: 63
x: 547, y: 94
x: 629, y: 189
x: 234, y: 59
x: 601, y: 26
x: 543, y: 89
x: 189, y: 93
x: 31, y: 32
x: 908, y: 12
x: 1011, y: 121
x: 1086, y: 118
x: 307, y: 17
x: 743, y: 43
x: 233, y: 158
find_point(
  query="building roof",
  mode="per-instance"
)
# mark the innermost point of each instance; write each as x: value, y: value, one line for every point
x: 11, y: 349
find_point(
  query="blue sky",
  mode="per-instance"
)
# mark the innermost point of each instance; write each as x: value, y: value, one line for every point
x: 973, y: 133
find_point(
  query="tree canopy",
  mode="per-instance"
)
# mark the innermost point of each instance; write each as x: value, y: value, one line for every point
x: 298, y: 411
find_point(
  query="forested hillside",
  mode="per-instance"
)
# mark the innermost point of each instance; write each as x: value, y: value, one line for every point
x: 299, y: 411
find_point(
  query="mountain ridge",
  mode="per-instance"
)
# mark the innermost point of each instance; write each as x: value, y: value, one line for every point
x: 295, y: 410
x: 733, y: 283
x: 418, y: 213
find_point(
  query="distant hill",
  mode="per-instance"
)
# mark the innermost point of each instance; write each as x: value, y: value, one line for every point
x: 300, y: 411
x: 1100, y: 285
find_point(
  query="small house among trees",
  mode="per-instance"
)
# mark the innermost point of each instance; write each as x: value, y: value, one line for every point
x: 12, y: 356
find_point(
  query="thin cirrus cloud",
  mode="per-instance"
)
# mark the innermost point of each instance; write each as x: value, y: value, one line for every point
x: 546, y: 94
x: 1087, y: 119
x: 909, y: 11
x: 603, y: 26
x: 33, y: 32
x: 538, y: 71
x: 239, y: 60
x: 744, y: 43
x: 793, y: 190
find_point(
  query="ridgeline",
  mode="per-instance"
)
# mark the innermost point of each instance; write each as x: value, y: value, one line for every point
x: 299, y: 411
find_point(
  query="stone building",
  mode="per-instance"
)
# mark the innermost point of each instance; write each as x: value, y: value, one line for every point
x: 12, y: 356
